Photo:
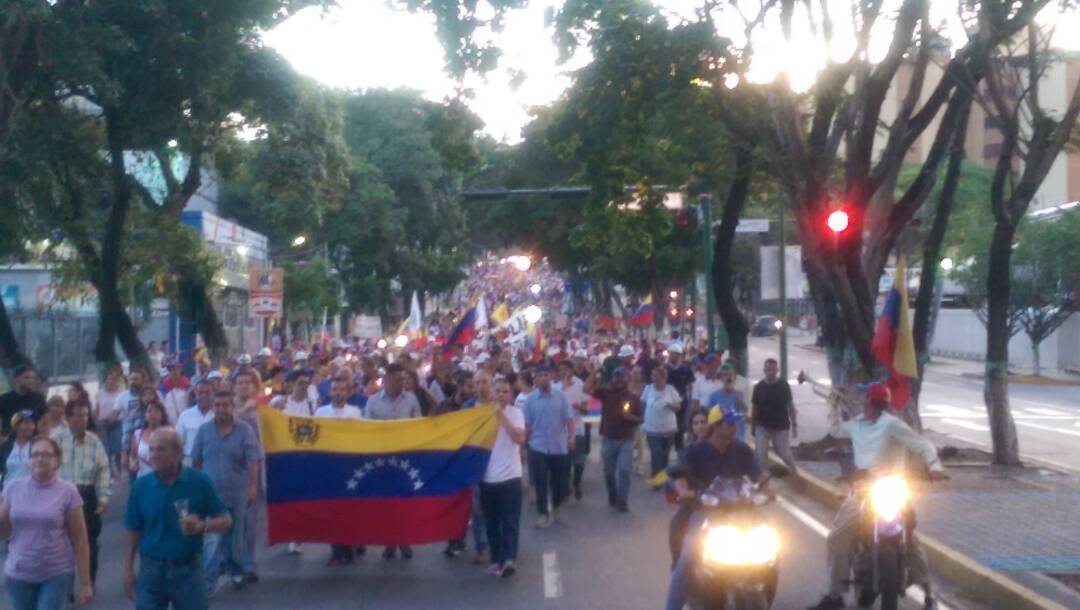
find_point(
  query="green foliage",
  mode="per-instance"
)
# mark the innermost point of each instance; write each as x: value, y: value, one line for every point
x: 311, y: 289
x: 459, y: 24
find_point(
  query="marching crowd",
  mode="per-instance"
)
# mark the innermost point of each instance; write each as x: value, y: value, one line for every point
x: 190, y: 450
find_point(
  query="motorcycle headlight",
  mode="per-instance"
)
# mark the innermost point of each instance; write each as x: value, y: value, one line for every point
x: 888, y: 496
x: 727, y: 545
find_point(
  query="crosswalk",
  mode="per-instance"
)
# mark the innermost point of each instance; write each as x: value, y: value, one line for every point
x: 973, y: 417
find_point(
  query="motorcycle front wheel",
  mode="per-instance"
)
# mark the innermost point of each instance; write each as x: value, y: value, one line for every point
x: 889, y: 577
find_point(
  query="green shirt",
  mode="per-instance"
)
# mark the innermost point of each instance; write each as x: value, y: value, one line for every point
x: 151, y: 509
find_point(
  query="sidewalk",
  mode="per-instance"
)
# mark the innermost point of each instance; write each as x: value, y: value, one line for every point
x: 1018, y: 521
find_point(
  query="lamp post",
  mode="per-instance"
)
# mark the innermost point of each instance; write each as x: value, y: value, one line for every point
x: 783, y: 298
x: 710, y: 299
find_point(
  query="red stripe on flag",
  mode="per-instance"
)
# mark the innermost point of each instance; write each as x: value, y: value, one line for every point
x: 376, y: 521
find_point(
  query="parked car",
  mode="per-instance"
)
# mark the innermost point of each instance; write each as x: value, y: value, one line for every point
x: 765, y: 326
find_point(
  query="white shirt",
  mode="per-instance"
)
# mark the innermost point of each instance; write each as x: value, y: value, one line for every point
x: 346, y: 412
x: 505, y: 462
x: 105, y: 405
x: 659, y: 418
x: 18, y: 463
x: 703, y: 388
x: 176, y: 402
x: 879, y: 445
x: 436, y: 390
x: 290, y: 406
x: 313, y: 393
x: 519, y: 402
x: 187, y: 426
x: 576, y: 395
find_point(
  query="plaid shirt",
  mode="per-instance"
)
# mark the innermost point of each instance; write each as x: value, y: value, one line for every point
x: 85, y: 463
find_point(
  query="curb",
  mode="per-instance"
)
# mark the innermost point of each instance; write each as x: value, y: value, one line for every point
x: 988, y: 586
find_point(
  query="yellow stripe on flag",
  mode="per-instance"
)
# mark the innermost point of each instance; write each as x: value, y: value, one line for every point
x: 284, y: 433
x: 500, y: 314
x: 904, y: 356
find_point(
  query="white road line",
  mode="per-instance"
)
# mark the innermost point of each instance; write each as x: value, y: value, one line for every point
x: 1047, y: 428
x: 552, y: 576
x: 966, y: 424
x: 1045, y: 411
x: 914, y: 593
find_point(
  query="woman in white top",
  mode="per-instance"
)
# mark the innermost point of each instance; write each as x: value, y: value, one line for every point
x: 140, y: 444
x: 16, y: 450
x: 662, y: 402
x: 500, y: 489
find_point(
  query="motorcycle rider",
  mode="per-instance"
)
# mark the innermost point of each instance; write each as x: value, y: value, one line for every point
x: 878, y: 439
x: 720, y: 455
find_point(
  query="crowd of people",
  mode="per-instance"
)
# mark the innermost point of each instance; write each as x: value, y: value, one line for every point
x: 189, y: 448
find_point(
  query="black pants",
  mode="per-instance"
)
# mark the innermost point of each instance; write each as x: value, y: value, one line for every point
x: 680, y: 421
x: 549, y: 472
x: 93, y: 525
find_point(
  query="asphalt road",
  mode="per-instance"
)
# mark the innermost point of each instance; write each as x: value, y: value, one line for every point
x: 1047, y: 417
x: 591, y: 559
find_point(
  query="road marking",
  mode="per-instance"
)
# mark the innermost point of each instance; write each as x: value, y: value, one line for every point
x: 1045, y: 411
x: 1047, y: 428
x: 966, y: 424
x: 914, y: 593
x: 552, y: 576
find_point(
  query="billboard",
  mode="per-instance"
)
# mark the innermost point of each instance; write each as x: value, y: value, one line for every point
x: 266, y: 292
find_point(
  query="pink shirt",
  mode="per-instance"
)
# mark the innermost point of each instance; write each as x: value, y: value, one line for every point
x: 40, y: 547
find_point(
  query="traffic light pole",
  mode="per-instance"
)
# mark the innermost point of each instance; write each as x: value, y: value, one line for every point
x: 783, y: 297
x: 710, y: 298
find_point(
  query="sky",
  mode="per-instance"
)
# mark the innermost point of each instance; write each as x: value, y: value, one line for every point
x: 365, y: 44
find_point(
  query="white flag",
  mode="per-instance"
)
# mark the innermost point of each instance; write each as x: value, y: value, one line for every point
x: 416, y: 317
x: 481, y: 314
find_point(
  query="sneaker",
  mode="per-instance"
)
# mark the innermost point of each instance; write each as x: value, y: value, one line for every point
x: 389, y: 553
x: 238, y: 582
x: 480, y: 558
x: 360, y: 550
x: 216, y: 588
x: 829, y: 602
x: 622, y: 507
x: 251, y: 577
x: 406, y: 552
x: 451, y: 550
x: 508, y: 569
x: 294, y: 548
x: 930, y: 603
x: 543, y: 522
x: 494, y: 569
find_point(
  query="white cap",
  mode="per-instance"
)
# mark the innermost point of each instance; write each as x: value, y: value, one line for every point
x: 581, y: 354
x: 300, y: 356
x: 265, y: 353
x: 626, y: 351
x: 244, y: 359
x: 483, y: 357
x: 215, y: 374
x: 339, y: 361
x: 675, y: 348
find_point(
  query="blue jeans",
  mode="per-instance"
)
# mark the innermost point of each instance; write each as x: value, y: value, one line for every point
x: 549, y: 472
x: 502, y: 516
x: 618, y: 457
x: 228, y: 552
x: 659, y: 451
x: 480, y: 537
x: 50, y: 594
x: 680, y: 574
x: 163, y: 582
x: 254, y: 510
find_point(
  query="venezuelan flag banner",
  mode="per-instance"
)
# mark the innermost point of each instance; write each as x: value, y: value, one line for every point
x: 373, y: 482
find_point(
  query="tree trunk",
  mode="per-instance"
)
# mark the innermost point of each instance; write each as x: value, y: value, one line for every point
x: 210, y: 326
x: 1035, y: 354
x: 10, y: 353
x: 735, y: 323
x: 1006, y: 447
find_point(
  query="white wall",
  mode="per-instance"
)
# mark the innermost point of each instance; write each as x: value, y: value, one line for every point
x: 959, y: 333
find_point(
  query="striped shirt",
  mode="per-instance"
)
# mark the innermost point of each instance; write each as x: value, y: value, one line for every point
x: 85, y: 463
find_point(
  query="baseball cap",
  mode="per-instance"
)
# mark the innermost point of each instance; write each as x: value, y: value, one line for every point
x: 20, y: 416
x: 483, y: 357
x: 728, y: 416
x: 877, y: 392
x: 712, y: 358
x: 581, y: 354
x: 244, y: 359
x: 300, y: 356
x: 675, y: 348
x: 626, y: 351
x: 214, y: 375
x: 265, y: 352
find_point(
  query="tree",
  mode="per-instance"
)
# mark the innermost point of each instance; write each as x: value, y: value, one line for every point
x: 311, y: 291
x: 1032, y: 139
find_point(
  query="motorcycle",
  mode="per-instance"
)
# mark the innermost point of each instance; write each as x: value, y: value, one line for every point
x: 737, y: 563
x: 886, y: 524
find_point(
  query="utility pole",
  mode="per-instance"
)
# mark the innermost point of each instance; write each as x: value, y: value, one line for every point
x: 710, y: 298
x: 783, y: 297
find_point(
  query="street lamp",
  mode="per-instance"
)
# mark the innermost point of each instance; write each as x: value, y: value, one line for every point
x: 298, y: 241
x: 381, y: 344
x: 522, y: 263
x: 674, y: 294
x: 533, y: 314
x: 947, y: 264
x: 401, y: 341
x: 838, y: 221
x: 535, y: 289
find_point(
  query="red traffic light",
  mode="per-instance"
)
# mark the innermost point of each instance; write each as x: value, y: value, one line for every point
x: 838, y: 221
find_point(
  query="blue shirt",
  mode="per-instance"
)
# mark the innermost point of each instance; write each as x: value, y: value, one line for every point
x: 729, y: 401
x: 227, y: 459
x: 151, y: 509
x: 547, y: 417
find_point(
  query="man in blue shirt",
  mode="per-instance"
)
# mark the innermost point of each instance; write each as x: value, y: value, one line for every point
x: 168, y: 512
x: 227, y: 450
x: 549, y: 427
x: 730, y: 399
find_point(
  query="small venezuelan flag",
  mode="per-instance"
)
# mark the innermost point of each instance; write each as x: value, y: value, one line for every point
x: 374, y: 482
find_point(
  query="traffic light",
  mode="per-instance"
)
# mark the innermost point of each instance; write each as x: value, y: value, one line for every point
x: 838, y: 221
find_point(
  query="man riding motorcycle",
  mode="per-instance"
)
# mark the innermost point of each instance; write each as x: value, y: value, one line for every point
x: 721, y: 454
x: 878, y: 439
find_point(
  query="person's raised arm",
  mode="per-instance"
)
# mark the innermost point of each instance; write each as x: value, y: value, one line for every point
x: 915, y: 442
x: 516, y: 434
